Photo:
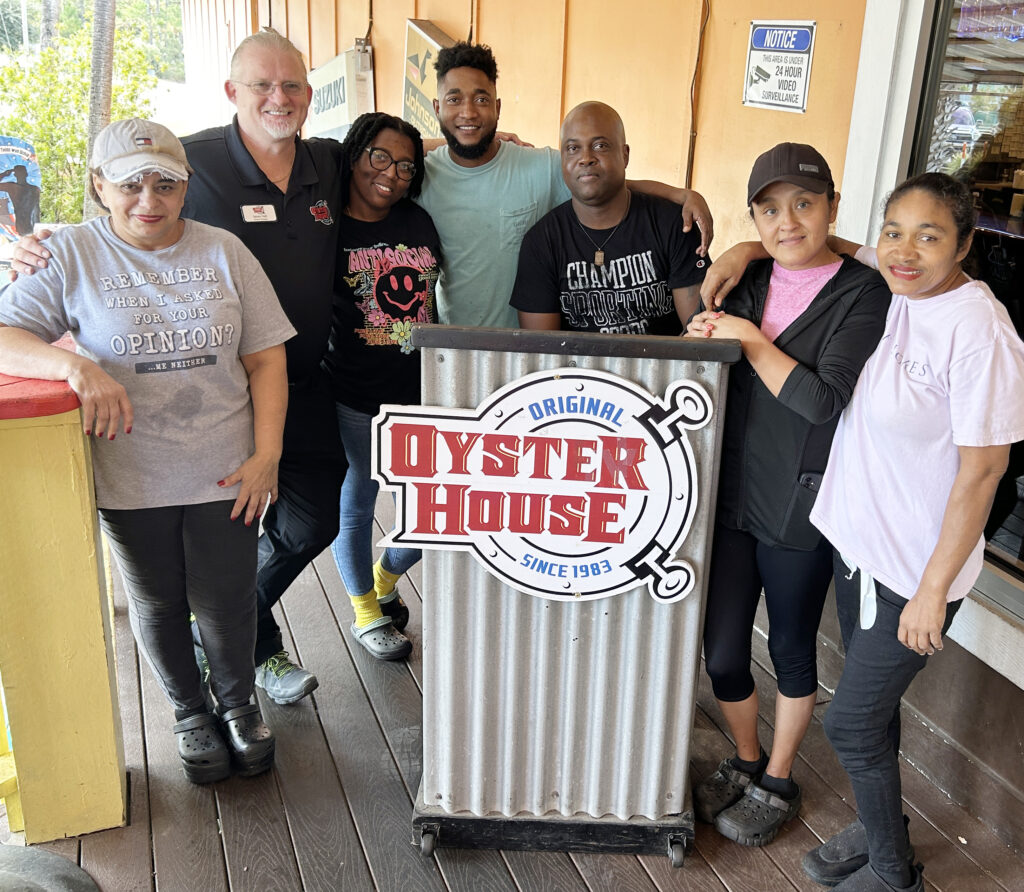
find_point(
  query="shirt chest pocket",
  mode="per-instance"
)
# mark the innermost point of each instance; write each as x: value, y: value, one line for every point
x: 513, y: 224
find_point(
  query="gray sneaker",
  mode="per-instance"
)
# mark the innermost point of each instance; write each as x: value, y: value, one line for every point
x: 842, y: 855
x: 284, y: 681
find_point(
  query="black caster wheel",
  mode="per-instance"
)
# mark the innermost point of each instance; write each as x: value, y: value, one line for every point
x: 676, y: 853
x: 428, y: 839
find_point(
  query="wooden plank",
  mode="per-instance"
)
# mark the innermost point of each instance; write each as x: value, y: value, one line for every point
x: 376, y: 794
x: 397, y: 705
x: 740, y: 868
x: 982, y: 846
x: 544, y: 871
x: 950, y: 868
x: 327, y: 848
x: 187, y: 852
x: 695, y: 875
x: 392, y: 693
x: 122, y: 858
x: 257, y: 845
x: 614, y: 873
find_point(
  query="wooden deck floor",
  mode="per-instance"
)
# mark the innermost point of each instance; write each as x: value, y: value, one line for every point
x: 335, y: 813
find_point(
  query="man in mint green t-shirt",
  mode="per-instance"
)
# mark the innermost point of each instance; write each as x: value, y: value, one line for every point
x: 484, y: 194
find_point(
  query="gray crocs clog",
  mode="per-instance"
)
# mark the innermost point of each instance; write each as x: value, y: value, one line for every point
x: 755, y: 820
x: 720, y: 790
x: 382, y: 640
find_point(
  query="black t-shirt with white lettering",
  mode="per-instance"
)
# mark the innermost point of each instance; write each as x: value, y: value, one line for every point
x: 631, y: 291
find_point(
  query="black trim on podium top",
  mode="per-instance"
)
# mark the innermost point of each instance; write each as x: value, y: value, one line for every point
x: 574, y: 343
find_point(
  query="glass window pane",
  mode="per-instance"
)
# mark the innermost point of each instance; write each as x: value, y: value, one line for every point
x: 977, y: 135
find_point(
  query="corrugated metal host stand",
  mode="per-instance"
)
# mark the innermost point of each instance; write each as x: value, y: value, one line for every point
x: 559, y: 725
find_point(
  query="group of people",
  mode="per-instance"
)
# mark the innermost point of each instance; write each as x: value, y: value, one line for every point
x: 243, y: 311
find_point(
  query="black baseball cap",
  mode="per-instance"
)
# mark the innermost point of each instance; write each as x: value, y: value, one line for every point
x: 790, y: 162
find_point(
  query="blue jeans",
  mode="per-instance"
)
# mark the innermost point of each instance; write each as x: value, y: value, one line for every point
x: 353, y: 548
x: 863, y: 721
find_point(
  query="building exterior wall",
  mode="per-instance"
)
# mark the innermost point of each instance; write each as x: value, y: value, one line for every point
x: 637, y: 56
x: 730, y: 136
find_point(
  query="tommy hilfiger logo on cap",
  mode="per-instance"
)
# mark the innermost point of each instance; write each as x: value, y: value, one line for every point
x: 812, y: 168
x: 143, y: 141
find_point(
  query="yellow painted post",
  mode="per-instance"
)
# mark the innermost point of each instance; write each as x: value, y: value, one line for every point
x: 9, y: 781
x: 56, y: 644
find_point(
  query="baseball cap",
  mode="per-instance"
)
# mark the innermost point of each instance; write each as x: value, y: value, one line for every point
x: 789, y: 162
x: 126, y: 149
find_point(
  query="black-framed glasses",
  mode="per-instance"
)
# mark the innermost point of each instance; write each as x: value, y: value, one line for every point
x: 380, y: 159
x: 265, y: 88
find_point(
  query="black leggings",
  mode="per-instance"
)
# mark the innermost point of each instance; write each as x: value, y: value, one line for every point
x: 795, y: 584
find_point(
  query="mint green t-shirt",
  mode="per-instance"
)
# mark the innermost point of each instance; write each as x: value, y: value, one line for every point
x: 481, y: 214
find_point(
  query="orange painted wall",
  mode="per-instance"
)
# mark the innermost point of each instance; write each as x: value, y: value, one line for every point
x: 730, y: 136
x: 638, y: 56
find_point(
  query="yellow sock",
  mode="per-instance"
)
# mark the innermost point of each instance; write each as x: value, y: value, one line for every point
x: 366, y: 608
x: 384, y: 580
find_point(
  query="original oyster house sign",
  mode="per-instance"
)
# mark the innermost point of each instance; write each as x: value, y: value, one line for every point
x: 564, y: 484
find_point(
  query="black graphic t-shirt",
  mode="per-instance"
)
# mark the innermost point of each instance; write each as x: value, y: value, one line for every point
x: 386, y: 279
x: 631, y: 292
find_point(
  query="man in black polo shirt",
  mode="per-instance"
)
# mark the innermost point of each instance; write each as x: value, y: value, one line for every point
x: 280, y: 195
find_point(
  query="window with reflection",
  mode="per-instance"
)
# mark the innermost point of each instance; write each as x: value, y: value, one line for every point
x: 971, y: 126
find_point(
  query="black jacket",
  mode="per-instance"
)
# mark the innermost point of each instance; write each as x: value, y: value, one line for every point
x: 774, y: 450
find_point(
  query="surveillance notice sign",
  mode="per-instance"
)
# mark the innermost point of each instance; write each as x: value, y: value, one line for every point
x: 779, y: 65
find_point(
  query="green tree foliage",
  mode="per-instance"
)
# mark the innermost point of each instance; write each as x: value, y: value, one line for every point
x: 10, y: 23
x: 155, y: 26
x: 46, y: 101
x: 157, y: 29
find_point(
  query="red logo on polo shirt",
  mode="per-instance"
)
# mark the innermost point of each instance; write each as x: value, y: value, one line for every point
x: 321, y: 213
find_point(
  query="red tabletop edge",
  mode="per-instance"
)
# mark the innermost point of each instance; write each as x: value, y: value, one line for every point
x: 32, y: 398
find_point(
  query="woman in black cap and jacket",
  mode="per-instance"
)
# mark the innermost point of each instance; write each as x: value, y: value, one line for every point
x: 807, y: 320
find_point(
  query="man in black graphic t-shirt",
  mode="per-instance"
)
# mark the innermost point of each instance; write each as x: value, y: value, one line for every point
x: 608, y: 260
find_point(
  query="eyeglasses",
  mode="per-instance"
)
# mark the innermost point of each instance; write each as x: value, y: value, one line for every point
x: 265, y: 88
x: 380, y: 159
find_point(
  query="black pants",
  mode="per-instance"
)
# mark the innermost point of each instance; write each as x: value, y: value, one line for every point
x: 795, y: 584
x: 863, y: 720
x: 304, y: 520
x: 189, y: 557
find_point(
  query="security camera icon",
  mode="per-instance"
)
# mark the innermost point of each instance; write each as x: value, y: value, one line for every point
x: 758, y: 75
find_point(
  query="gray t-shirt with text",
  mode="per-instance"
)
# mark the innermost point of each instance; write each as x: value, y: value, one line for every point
x: 170, y: 325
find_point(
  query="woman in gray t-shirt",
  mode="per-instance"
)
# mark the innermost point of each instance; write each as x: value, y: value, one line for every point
x: 179, y: 351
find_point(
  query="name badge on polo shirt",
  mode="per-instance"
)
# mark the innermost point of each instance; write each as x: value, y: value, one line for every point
x: 259, y: 213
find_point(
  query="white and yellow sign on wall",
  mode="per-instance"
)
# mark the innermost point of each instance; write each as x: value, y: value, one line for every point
x: 342, y: 91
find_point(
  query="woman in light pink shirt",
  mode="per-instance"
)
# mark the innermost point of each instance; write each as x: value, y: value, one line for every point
x: 807, y: 320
